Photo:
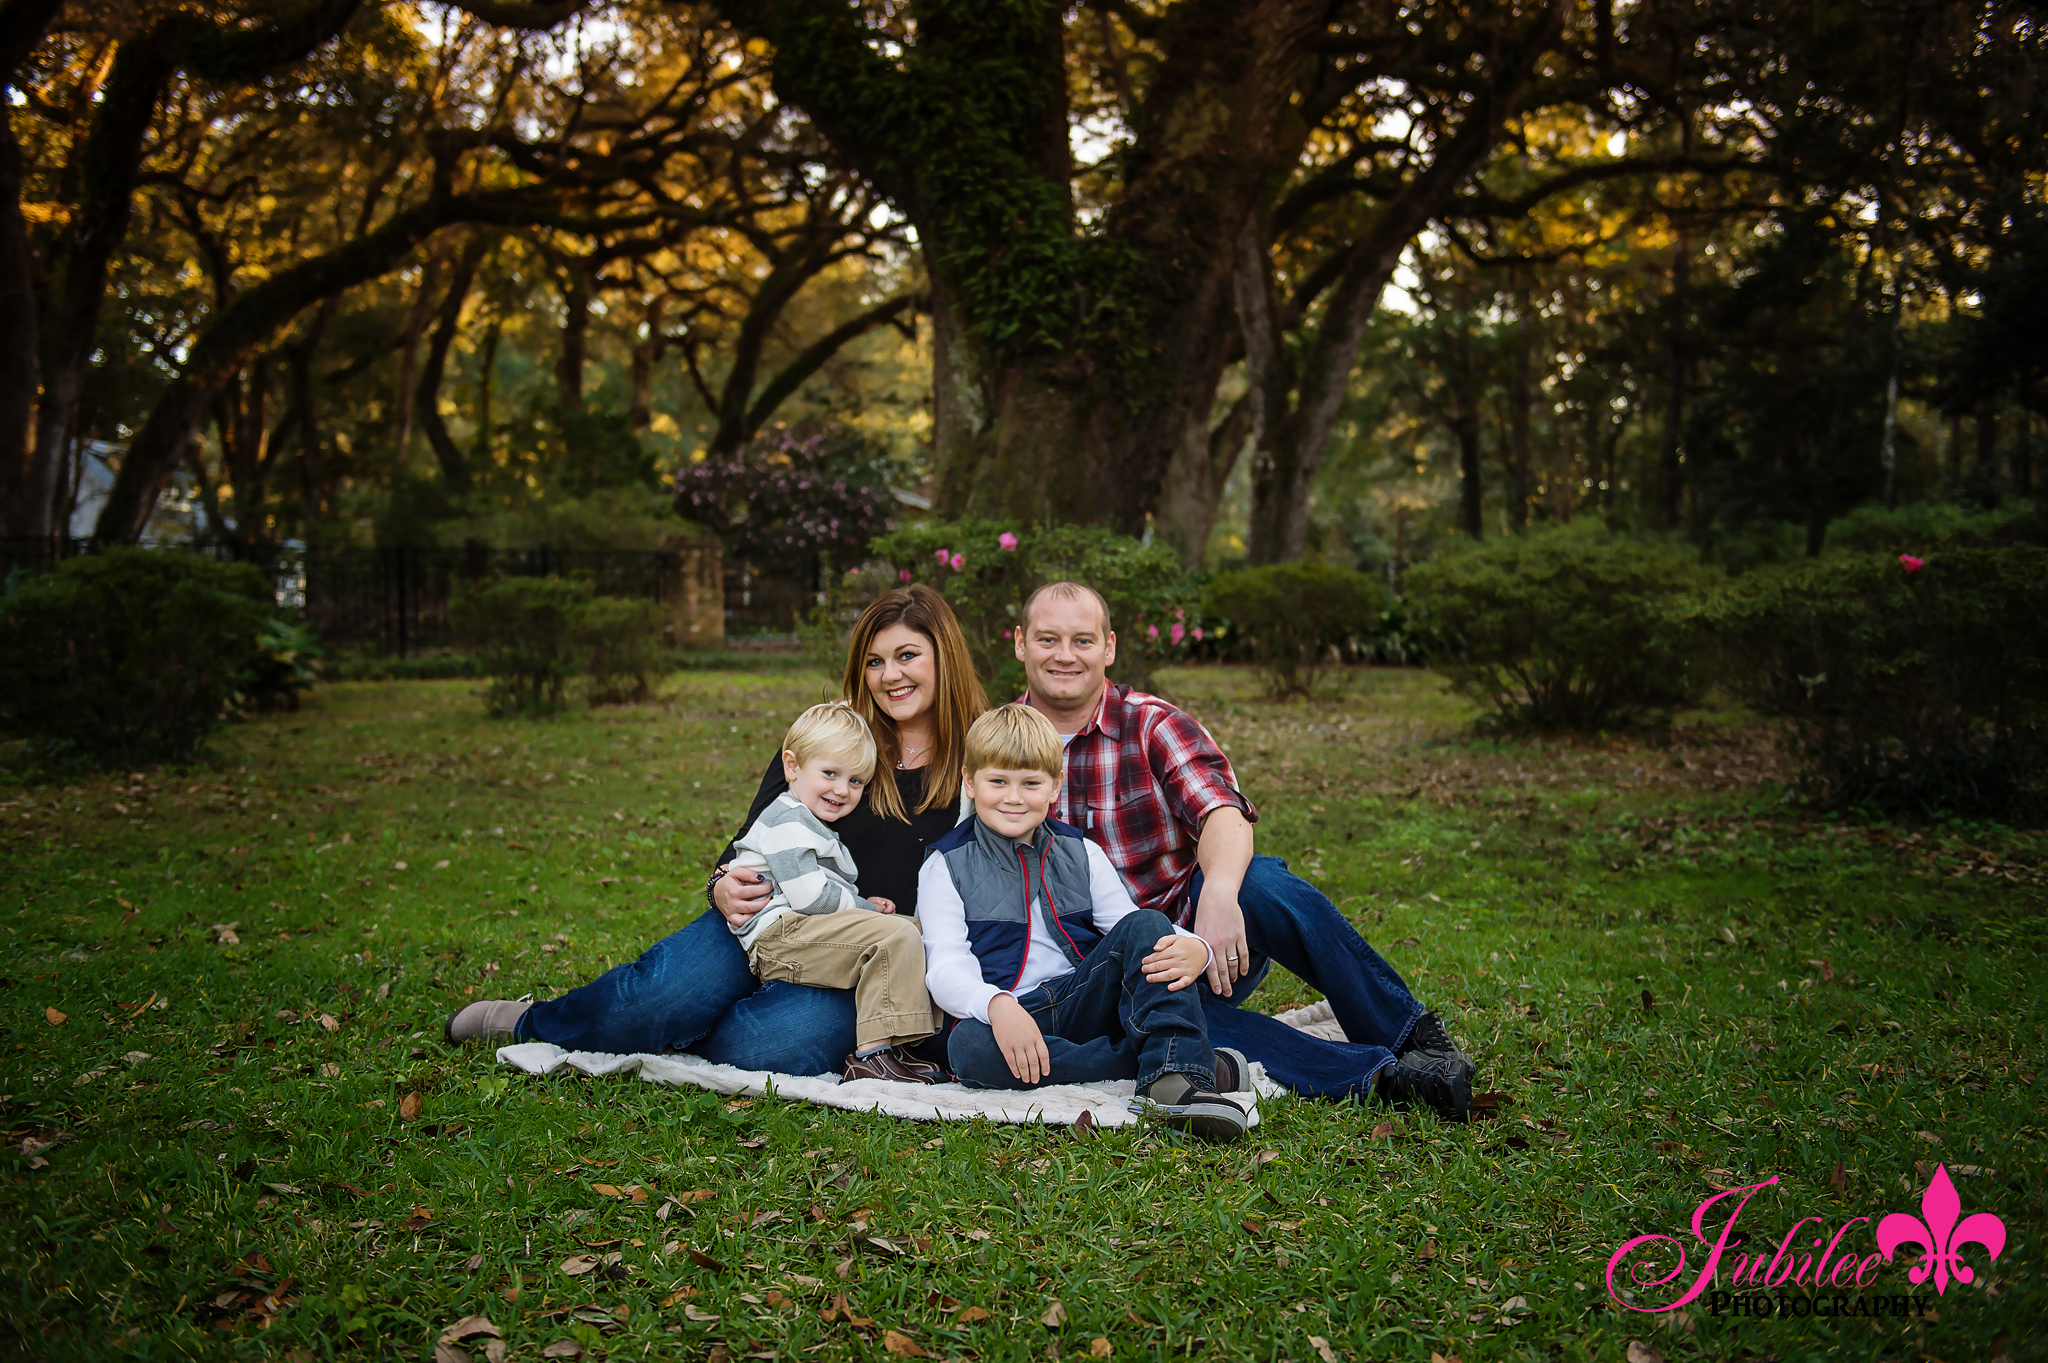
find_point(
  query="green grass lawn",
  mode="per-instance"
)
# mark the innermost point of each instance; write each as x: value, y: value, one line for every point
x: 233, y: 1130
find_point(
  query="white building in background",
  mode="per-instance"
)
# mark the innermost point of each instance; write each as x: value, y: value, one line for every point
x: 178, y: 519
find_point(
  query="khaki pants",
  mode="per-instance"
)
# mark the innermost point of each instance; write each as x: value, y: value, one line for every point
x: 879, y: 956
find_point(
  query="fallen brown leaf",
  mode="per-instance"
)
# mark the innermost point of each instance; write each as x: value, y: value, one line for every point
x: 971, y: 1314
x: 1639, y: 1352
x: 472, y: 1263
x: 1428, y: 1250
x: 1322, y: 1348
x: 1100, y: 1348
x: 409, y: 1107
x: 754, y: 1144
x: 53, y: 1017
x: 703, y: 1260
x: 444, y: 1352
x: 576, y: 1265
x: 563, y: 1348
x: 327, y: 1021
x: 694, y: 1314
x: 1383, y: 1129
x: 896, y: 1342
x: 1055, y: 1314
x: 469, y: 1327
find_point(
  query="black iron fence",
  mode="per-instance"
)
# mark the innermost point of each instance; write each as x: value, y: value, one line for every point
x: 396, y: 599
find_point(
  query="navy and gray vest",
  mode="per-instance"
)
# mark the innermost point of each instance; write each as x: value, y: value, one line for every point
x: 1000, y: 881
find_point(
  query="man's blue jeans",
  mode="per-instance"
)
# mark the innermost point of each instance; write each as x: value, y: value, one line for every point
x: 692, y: 991
x: 1289, y: 922
x: 1104, y: 1021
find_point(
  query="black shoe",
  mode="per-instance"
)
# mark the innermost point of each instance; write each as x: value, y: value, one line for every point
x: 1195, y: 1108
x: 1442, y: 1083
x: 1233, y: 1071
x: 1428, y: 1034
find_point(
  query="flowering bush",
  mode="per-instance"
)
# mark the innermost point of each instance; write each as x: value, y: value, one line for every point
x: 1910, y: 684
x: 789, y: 492
x: 986, y: 569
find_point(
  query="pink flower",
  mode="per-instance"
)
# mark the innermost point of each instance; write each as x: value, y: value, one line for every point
x: 852, y: 573
x: 940, y: 555
x: 903, y: 575
x: 1179, y: 614
x: 1006, y: 634
x: 1152, y: 633
x: 1198, y: 634
x: 1008, y: 541
x: 1179, y: 632
x: 1911, y: 564
x: 959, y: 562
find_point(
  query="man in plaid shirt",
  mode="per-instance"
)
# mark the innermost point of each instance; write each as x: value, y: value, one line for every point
x: 1146, y: 781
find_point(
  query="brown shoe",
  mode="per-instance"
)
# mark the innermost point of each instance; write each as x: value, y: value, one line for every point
x: 487, y: 1020
x: 893, y: 1065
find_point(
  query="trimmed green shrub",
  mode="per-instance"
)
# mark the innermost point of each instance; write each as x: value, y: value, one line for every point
x: 524, y: 629
x: 1290, y: 617
x: 130, y: 656
x: 1911, y: 685
x: 986, y: 569
x: 620, y: 642
x: 1565, y: 629
x: 1919, y: 527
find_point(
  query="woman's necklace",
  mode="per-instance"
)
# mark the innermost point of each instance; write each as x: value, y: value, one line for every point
x: 909, y: 751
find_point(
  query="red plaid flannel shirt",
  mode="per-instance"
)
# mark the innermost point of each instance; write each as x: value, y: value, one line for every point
x: 1141, y: 776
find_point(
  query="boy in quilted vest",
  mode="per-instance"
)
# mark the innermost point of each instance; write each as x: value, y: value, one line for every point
x: 1032, y: 941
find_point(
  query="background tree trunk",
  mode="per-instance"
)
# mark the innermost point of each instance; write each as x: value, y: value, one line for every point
x: 427, y: 397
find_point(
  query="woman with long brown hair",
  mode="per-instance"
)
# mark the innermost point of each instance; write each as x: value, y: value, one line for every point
x: 908, y: 674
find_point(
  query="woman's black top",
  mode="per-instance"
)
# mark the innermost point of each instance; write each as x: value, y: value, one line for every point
x: 889, y: 852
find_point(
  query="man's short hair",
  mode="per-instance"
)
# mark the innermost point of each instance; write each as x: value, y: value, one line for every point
x: 1068, y: 591
x: 832, y: 730
x: 1014, y: 738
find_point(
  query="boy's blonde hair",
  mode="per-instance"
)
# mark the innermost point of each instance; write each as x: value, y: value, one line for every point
x: 832, y: 730
x: 1015, y: 738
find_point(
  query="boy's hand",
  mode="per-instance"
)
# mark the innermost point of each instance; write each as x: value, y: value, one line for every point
x: 882, y: 905
x: 1177, y: 959
x: 1018, y: 1037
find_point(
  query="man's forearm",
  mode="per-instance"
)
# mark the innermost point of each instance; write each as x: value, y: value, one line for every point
x: 1224, y: 851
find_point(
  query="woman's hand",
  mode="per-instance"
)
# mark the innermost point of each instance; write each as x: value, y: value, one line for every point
x: 1176, y: 958
x: 882, y: 905
x: 1018, y: 1037
x: 739, y: 895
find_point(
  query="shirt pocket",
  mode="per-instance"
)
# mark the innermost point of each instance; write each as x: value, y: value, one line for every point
x: 1140, y: 827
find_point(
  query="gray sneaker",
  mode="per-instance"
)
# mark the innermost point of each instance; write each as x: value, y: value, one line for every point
x: 1233, y: 1071
x: 487, y: 1020
x: 1195, y: 1108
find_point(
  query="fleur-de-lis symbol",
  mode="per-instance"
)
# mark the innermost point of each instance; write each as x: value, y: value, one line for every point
x: 1939, y: 1234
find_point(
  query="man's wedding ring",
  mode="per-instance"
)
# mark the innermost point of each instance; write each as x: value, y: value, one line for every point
x: 1231, y: 957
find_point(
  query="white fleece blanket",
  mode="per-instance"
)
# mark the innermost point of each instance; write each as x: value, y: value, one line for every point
x: 1060, y: 1105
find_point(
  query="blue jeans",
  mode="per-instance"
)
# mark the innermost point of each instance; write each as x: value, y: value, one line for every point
x: 1104, y: 1021
x: 692, y: 991
x: 1289, y: 922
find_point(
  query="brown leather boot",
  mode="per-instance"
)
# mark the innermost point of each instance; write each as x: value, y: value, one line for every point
x: 891, y: 1064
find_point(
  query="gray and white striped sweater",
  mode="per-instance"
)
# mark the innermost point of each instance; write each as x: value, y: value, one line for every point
x: 809, y: 868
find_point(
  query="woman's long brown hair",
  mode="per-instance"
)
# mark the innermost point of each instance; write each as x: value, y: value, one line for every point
x: 957, y: 705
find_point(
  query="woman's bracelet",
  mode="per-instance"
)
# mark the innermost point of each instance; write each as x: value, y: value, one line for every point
x: 711, y: 886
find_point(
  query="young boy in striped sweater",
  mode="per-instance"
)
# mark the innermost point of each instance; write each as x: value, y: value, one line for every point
x: 816, y: 928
